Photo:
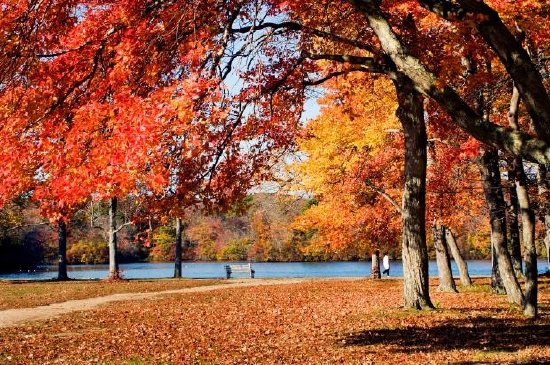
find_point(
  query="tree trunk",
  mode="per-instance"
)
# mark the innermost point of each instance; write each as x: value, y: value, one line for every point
x: 514, y: 162
x: 496, y: 279
x: 375, y: 266
x: 62, y: 250
x: 114, y: 273
x: 547, y: 239
x: 91, y: 214
x: 490, y: 176
x: 529, y: 248
x: 462, y: 265
x: 414, y: 251
x: 544, y: 193
x: 513, y: 222
x: 527, y: 218
x: 446, y: 281
x: 177, y: 261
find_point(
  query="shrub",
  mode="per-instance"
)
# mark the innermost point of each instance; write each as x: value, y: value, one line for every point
x: 235, y: 250
x: 163, y: 249
x: 88, y: 252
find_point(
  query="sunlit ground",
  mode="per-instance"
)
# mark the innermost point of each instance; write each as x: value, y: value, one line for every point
x: 316, y: 322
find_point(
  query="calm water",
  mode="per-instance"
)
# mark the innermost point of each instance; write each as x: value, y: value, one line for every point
x: 263, y: 270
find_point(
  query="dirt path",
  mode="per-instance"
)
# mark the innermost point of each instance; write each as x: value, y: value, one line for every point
x: 14, y: 317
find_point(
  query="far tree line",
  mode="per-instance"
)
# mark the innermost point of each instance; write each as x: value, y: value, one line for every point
x: 268, y: 228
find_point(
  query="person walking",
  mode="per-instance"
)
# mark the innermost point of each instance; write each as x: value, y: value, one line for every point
x: 386, y: 264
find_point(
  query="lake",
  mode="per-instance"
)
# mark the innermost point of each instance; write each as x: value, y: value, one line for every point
x: 263, y: 270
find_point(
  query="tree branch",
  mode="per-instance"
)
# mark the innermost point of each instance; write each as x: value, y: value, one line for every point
x: 19, y: 226
x: 516, y: 143
x: 119, y: 228
x: 510, y: 52
x: 295, y: 26
x: 385, y: 195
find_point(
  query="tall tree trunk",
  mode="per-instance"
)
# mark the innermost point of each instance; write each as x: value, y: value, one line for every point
x: 460, y: 262
x: 544, y: 193
x: 529, y: 248
x: 527, y: 219
x: 496, y: 280
x: 91, y: 214
x: 62, y: 250
x: 513, y: 221
x: 414, y: 251
x: 514, y: 163
x: 375, y: 265
x: 114, y: 273
x: 177, y: 261
x: 490, y: 176
x: 446, y: 281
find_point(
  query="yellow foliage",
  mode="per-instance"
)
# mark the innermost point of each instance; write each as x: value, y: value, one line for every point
x: 346, y: 132
x: 356, y: 124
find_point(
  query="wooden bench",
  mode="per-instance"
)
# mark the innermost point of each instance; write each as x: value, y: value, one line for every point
x: 246, y: 268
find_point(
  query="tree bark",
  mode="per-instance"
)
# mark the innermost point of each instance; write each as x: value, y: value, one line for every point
x: 177, y: 261
x: 375, y: 266
x: 513, y: 221
x: 514, y: 142
x: 446, y: 281
x: 529, y: 248
x: 414, y: 251
x: 527, y: 218
x: 62, y: 250
x: 544, y: 193
x: 496, y: 280
x: 460, y: 262
x: 515, y: 162
x: 490, y: 176
x: 114, y: 272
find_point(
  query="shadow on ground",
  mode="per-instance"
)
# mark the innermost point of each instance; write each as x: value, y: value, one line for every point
x: 480, y: 333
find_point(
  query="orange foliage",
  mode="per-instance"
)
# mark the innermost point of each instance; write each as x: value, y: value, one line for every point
x: 350, y: 142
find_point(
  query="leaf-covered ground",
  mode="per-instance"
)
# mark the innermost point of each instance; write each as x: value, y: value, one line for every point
x: 315, y: 322
x: 21, y: 294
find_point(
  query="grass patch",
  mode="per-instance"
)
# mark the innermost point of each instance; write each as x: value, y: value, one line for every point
x: 32, y: 294
x: 475, y: 288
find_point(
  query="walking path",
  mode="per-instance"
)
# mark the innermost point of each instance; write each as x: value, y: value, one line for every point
x: 14, y: 317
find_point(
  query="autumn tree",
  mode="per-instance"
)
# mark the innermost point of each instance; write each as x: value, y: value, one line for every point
x: 347, y: 149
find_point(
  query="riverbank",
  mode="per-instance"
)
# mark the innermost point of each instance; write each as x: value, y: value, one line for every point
x: 347, y: 321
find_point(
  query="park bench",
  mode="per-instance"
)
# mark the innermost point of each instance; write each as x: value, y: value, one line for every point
x: 246, y: 268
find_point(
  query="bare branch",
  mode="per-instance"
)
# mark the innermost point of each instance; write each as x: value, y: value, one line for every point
x: 294, y: 26
x: 119, y: 228
x: 385, y: 195
x: 19, y: 226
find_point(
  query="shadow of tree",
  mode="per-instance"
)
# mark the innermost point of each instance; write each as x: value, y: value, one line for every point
x: 480, y: 333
